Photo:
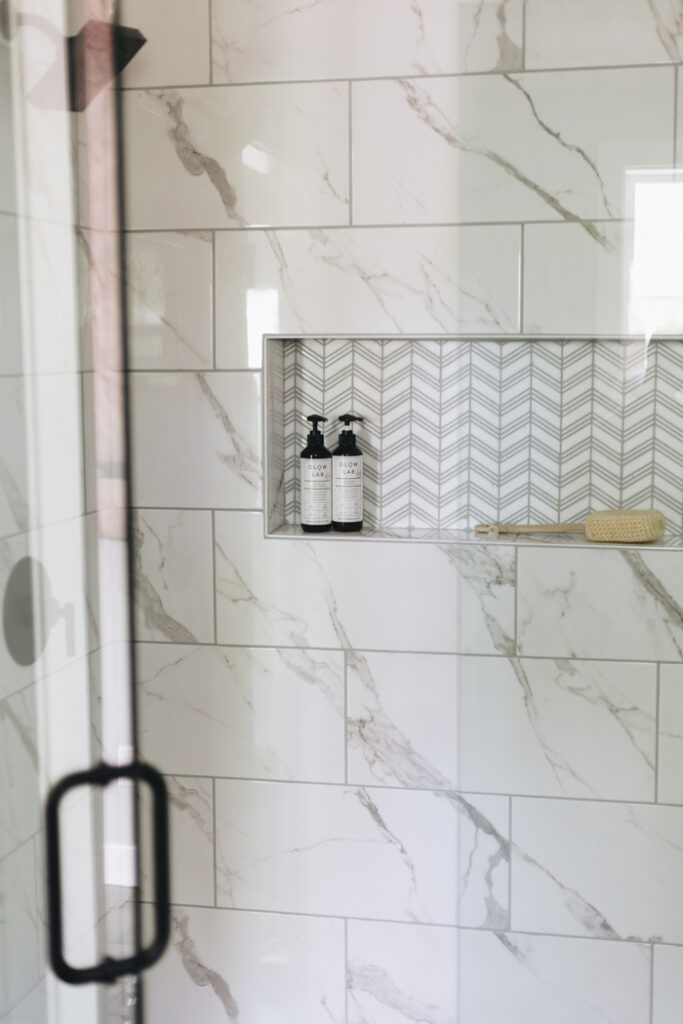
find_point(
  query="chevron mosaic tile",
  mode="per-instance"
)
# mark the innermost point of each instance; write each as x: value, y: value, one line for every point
x: 460, y: 431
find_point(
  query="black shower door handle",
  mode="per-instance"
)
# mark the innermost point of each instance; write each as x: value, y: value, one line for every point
x: 110, y: 968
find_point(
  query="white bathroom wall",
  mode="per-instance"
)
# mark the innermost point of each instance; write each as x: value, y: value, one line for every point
x: 410, y: 780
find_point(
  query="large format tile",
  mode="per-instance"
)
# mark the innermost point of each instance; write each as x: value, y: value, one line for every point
x: 197, y: 440
x: 19, y: 794
x: 504, y: 148
x: 572, y: 285
x: 176, y: 51
x: 670, y: 775
x: 402, y: 720
x: 534, y: 979
x: 483, y: 868
x: 11, y: 360
x: 173, y: 576
x: 361, y: 281
x: 581, y: 33
x: 556, y: 728
x: 496, y: 725
x: 237, y: 156
x: 622, y: 604
x: 400, y: 974
x: 191, y: 840
x: 56, y: 459
x: 170, y: 300
x: 19, y: 927
x: 269, y: 714
x: 667, y: 985
x: 302, y: 594
x: 249, y: 967
x: 597, y: 869
x: 280, y: 40
x: 14, y: 504
x: 330, y: 850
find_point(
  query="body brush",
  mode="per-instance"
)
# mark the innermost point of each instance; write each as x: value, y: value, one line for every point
x: 612, y: 526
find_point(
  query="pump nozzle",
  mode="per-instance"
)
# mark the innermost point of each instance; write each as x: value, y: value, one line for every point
x: 347, y: 419
x: 315, y: 420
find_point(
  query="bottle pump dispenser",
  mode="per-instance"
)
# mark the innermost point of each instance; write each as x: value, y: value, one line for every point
x: 347, y: 479
x: 316, y: 481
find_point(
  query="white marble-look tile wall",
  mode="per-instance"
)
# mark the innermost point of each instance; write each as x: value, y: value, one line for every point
x: 449, y: 739
x: 546, y: 159
x: 170, y: 300
x: 279, y: 41
x: 219, y: 152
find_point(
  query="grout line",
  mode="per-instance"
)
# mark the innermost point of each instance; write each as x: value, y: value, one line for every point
x: 350, y: 154
x: 436, y: 76
x: 346, y: 717
x: 422, y: 924
x: 510, y: 848
x: 215, y: 846
x: 213, y: 571
x: 676, y: 86
x: 657, y: 727
x: 516, y: 586
x: 522, y: 278
x: 346, y: 970
x: 498, y: 656
x: 192, y: 370
x: 211, y: 80
x: 372, y: 226
x: 469, y: 793
x: 652, y: 982
x: 214, y: 288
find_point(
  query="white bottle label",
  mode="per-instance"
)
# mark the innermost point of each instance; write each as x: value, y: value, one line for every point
x: 347, y: 488
x: 316, y: 492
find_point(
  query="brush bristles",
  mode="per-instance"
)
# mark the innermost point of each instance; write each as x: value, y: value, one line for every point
x: 625, y: 526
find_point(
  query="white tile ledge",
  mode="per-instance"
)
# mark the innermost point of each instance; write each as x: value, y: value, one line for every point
x: 573, y: 540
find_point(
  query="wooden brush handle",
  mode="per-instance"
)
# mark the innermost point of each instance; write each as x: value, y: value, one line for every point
x: 540, y: 528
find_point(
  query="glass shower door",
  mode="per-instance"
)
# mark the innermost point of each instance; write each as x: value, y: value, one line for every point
x: 68, y: 898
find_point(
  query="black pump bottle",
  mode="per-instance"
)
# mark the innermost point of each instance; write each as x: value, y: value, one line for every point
x: 347, y: 479
x: 316, y: 481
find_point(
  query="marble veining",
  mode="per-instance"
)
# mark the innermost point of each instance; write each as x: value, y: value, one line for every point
x: 169, y: 282
x: 241, y: 457
x: 194, y: 161
x: 242, y: 155
x: 368, y: 979
x: 249, y: 713
x: 199, y: 973
x: 546, y: 159
x: 670, y: 610
x: 344, y: 851
x: 588, y: 32
x: 583, y: 890
x: 404, y: 973
x: 428, y: 37
x: 386, y: 748
x: 631, y: 719
x: 169, y: 410
x: 171, y: 551
x: 487, y: 575
x: 422, y: 103
x: 192, y: 800
x: 148, y: 598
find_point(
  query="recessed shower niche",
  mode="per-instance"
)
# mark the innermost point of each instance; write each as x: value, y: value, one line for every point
x: 458, y: 431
